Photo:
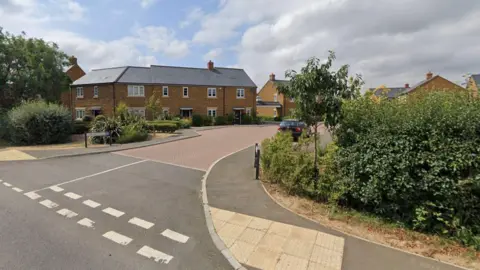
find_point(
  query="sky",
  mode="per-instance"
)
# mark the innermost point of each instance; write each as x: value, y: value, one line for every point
x: 389, y: 42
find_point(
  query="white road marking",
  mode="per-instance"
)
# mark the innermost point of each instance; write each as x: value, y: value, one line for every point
x: 159, y: 161
x: 86, y: 222
x: 156, y: 255
x: 48, y: 204
x: 141, y: 223
x: 118, y: 238
x: 95, y: 174
x: 91, y: 203
x: 113, y: 212
x: 56, y: 189
x: 32, y: 195
x: 175, y: 236
x: 67, y: 213
x: 17, y: 189
x: 72, y: 195
x: 7, y: 184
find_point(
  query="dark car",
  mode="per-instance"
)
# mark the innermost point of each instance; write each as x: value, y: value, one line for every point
x: 294, y: 126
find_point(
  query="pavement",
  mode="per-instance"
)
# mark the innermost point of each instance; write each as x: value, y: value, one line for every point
x: 133, y: 209
x: 245, y: 216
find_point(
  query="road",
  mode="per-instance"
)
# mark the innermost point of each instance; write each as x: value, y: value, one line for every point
x: 136, y: 209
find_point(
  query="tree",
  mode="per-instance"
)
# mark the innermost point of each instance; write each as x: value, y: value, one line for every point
x: 154, y: 106
x: 318, y: 92
x: 30, y: 68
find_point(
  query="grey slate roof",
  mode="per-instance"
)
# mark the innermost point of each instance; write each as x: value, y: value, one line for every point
x: 174, y: 75
x: 98, y: 76
x: 393, y: 92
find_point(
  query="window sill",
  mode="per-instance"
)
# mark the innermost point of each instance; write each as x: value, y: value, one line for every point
x: 136, y: 96
x: 79, y: 97
x: 212, y: 97
x: 186, y: 97
x: 240, y: 97
x: 95, y: 96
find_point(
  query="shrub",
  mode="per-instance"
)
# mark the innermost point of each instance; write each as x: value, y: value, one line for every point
x: 197, y: 120
x: 185, y: 123
x: 38, y: 122
x: 80, y: 127
x: 246, y: 119
x: 278, y: 118
x: 230, y: 119
x: 162, y: 126
x: 131, y: 134
x: 220, y: 120
x: 207, y: 120
x: 87, y: 118
x: 4, y: 125
x: 104, y: 124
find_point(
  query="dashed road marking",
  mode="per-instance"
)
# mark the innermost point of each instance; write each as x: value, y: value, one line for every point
x: 72, y: 195
x: 67, y: 213
x: 175, y: 236
x: 7, y: 184
x: 56, y: 189
x: 17, y: 189
x: 141, y: 223
x: 48, y: 204
x: 86, y: 222
x: 113, y: 212
x: 91, y: 203
x: 118, y: 238
x: 32, y: 195
x: 156, y: 255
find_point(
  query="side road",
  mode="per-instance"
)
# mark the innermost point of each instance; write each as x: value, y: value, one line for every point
x: 231, y: 187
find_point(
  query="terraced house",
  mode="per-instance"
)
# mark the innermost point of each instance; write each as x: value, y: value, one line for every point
x: 183, y: 91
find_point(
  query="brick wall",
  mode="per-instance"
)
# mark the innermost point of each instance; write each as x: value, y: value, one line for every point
x: 104, y: 100
x: 75, y: 73
x: 267, y: 111
x: 439, y: 84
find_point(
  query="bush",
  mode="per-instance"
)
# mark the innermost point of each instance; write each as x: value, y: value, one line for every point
x: 230, y: 119
x: 269, y: 119
x: 38, y: 122
x: 415, y: 160
x: 4, y: 125
x: 131, y: 134
x: 80, y: 127
x: 104, y: 124
x: 87, y: 118
x: 162, y: 126
x: 185, y: 123
x: 220, y: 120
x: 207, y: 120
x: 197, y: 120
x: 246, y: 119
x: 278, y: 119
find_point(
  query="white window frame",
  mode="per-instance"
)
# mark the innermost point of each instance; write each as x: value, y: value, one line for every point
x: 240, y: 93
x: 248, y: 111
x: 212, y: 112
x: 183, y: 92
x: 275, y: 98
x: 81, y: 90
x: 163, y: 91
x: 137, y: 111
x: 136, y: 91
x: 95, y: 92
x: 212, y: 92
x: 77, y: 110
x: 274, y: 112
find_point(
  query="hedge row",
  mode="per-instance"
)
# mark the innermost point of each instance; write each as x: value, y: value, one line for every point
x: 163, y: 126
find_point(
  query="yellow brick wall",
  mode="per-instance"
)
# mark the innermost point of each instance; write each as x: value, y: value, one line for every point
x: 104, y: 100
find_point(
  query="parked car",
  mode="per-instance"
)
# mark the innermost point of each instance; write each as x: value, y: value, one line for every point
x: 294, y: 126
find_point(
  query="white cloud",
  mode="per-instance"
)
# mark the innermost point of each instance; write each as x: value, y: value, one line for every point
x: 213, y: 54
x: 147, y: 3
x: 161, y: 39
x: 194, y: 15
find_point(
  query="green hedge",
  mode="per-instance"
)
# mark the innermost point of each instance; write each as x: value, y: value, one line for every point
x: 80, y: 127
x: 162, y: 126
x: 207, y: 120
x: 132, y: 134
x: 38, y: 122
x: 197, y: 120
x: 220, y: 120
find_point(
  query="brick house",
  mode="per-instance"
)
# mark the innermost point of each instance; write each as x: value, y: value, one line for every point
x: 183, y: 91
x: 473, y: 84
x: 430, y: 83
x: 272, y: 103
x: 74, y: 72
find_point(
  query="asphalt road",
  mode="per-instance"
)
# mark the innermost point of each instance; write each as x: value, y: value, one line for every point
x: 131, y: 212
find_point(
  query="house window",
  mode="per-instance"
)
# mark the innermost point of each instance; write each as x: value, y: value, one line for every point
x: 79, y: 113
x: 185, y: 92
x: 95, y: 91
x: 165, y: 91
x: 248, y: 111
x: 275, y: 98
x: 274, y: 112
x: 137, y: 111
x: 212, y: 112
x: 212, y: 92
x: 136, y: 91
x: 79, y: 92
x: 240, y: 93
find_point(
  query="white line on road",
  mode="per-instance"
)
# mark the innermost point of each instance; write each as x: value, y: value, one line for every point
x: 156, y: 255
x: 67, y: 213
x: 118, y: 238
x: 48, y: 204
x: 113, y: 212
x: 175, y: 236
x: 7, y: 184
x: 86, y: 222
x: 72, y: 195
x: 95, y: 174
x: 91, y: 203
x: 141, y: 223
x: 32, y: 195
x: 163, y: 162
x: 17, y: 189
x: 56, y: 189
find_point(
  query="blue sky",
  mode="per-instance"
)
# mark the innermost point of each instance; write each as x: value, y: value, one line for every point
x: 387, y: 41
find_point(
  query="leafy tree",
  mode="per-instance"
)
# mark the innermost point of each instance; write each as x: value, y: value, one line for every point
x: 318, y: 92
x: 30, y: 68
x: 154, y: 106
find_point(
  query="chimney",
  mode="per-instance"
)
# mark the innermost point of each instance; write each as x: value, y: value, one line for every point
x: 407, y: 85
x: 429, y: 75
x: 272, y: 77
x: 73, y: 60
x: 210, y: 65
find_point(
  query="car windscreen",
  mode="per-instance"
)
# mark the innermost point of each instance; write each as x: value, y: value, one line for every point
x: 289, y: 124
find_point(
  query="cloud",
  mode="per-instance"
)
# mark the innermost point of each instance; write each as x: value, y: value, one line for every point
x: 194, y: 15
x: 147, y: 3
x: 213, y: 54
x: 161, y: 39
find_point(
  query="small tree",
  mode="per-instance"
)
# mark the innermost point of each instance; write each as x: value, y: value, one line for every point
x: 318, y: 92
x: 154, y: 105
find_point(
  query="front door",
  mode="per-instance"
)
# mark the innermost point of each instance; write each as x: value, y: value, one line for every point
x: 238, y: 117
x: 186, y: 113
